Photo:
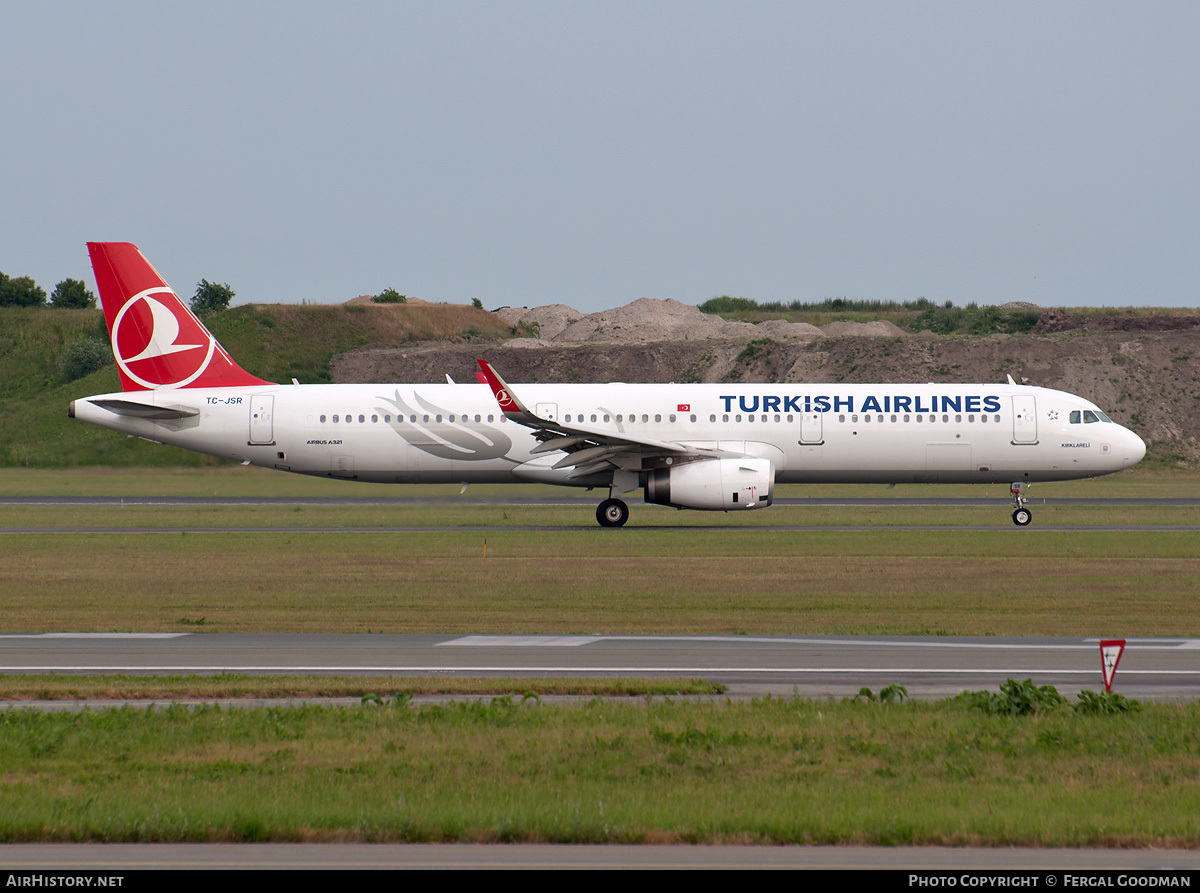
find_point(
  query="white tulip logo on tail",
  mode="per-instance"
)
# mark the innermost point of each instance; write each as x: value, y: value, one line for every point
x: 161, y: 340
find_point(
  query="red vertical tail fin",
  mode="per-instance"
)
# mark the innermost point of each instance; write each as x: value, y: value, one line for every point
x: 157, y: 341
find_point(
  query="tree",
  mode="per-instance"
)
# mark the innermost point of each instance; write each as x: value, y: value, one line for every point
x: 21, y: 292
x: 211, y: 297
x: 72, y: 293
x: 390, y: 296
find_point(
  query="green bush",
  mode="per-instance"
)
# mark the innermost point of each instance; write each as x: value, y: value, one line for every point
x: 756, y: 348
x: 1106, y: 703
x: 390, y: 296
x: 726, y: 304
x: 1015, y: 699
x: 85, y: 357
x: 889, y: 694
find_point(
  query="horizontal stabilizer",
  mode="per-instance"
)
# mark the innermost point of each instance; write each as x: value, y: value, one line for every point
x: 145, y: 410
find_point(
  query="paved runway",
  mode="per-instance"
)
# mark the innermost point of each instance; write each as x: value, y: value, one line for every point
x: 1154, y: 669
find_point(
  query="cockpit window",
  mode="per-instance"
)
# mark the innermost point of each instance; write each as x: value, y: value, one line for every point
x: 1087, y: 417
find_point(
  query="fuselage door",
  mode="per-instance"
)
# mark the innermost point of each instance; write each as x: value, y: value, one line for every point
x: 811, y: 427
x: 1024, y: 419
x: 262, y: 427
x: 547, y: 411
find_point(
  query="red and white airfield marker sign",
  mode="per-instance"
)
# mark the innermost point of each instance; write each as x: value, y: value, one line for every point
x: 1110, y: 655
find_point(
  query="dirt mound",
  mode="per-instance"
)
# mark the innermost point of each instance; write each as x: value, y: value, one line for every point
x: 650, y: 319
x: 877, y: 329
x: 1143, y: 380
x: 551, y: 319
x: 781, y: 328
x: 1054, y: 320
x: 524, y: 360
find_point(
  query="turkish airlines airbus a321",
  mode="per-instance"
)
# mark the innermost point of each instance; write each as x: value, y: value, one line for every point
x: 714, y: 447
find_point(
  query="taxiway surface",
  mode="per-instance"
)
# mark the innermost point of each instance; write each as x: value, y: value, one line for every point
x: 811, y: 666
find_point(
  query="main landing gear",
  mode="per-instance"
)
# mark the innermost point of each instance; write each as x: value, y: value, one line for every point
x: 612, y: 513
x: 1021, y: 516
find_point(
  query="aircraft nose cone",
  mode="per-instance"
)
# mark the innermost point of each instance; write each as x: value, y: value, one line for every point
x: 1135, y: 449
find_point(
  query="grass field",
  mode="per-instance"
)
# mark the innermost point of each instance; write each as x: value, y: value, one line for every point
x: 575, y: 579
x: 122, y: 687
x: 556, y: 572
x: 631, y: 770
x: 769, y: 771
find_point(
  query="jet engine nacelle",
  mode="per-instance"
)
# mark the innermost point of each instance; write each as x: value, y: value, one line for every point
x: 715, y: 485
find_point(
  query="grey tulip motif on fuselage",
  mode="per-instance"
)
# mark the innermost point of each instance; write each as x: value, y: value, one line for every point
x: 447, y: 439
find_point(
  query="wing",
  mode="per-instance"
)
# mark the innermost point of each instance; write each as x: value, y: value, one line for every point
x: 590, y: 450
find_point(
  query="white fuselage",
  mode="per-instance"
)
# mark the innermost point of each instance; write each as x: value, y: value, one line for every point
x: 852, y: 433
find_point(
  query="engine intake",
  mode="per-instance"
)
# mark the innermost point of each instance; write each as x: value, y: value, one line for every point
x: 715, y: 485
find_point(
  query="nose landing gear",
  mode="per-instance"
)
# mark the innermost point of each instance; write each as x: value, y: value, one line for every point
x: 1021, y: 515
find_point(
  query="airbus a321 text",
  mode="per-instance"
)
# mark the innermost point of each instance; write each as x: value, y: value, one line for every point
x: 714, y: 447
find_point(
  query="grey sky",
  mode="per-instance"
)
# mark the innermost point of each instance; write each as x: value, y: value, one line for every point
x: 595, y: 153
